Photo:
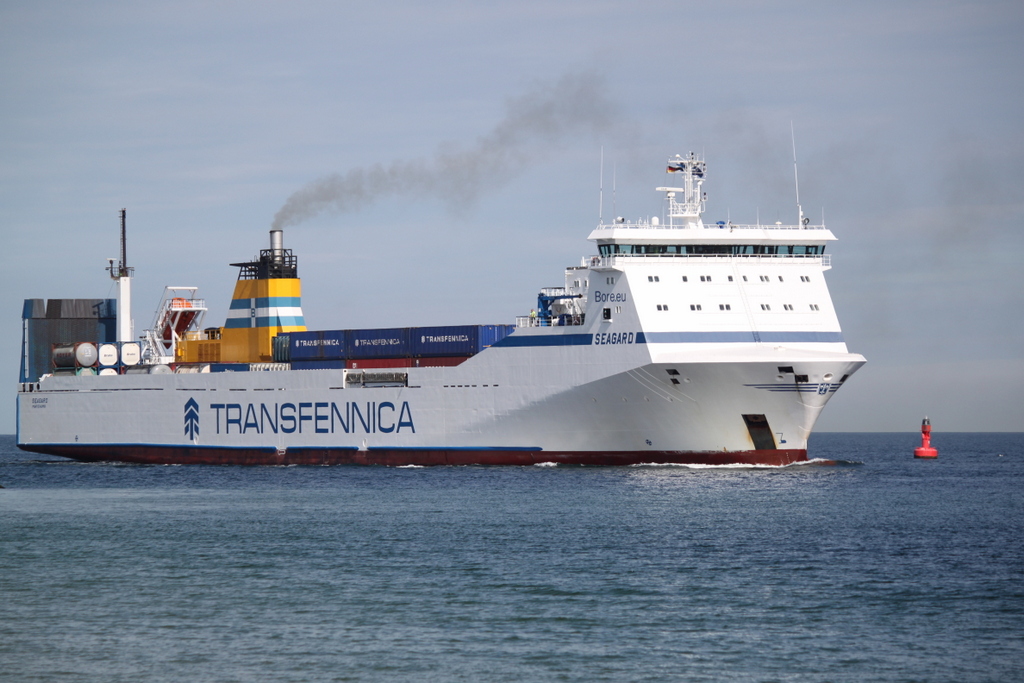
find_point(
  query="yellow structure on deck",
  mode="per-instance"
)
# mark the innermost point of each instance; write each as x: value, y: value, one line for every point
x: 267, y: 302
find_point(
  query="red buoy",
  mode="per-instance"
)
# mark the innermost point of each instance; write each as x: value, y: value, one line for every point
x: 926, y: 450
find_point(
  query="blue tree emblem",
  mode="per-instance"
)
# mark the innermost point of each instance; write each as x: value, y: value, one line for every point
x: 192, y: 419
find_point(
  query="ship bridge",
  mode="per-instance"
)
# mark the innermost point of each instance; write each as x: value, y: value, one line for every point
x: 684, y: 233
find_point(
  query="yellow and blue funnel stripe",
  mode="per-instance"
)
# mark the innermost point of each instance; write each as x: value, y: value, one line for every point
x: 266, y: 303
x: 259, y: 311
x: 265, y: 311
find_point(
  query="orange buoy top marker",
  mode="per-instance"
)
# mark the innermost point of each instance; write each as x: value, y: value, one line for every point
x: 926, y: 450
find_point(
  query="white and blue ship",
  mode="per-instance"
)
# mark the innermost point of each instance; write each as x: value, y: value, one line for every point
x: 674, y: 342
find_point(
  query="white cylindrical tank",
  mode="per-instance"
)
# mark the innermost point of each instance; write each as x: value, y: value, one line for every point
x: 131, y: 354
x: 148, y: 370
x: 108, y: 354
x: 192, y: 369
x: 79, y: 354
x: 86, y: 354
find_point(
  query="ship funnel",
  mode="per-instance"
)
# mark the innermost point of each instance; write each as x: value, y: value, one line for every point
x: 277, y: 244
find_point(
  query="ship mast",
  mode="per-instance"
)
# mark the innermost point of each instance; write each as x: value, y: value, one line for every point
x: 796, y: 181
x: 688, y: 210
x: 123, y: 274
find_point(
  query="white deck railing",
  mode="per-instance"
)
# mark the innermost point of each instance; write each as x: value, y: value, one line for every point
x: 610, y: 261
x: 647, y: 225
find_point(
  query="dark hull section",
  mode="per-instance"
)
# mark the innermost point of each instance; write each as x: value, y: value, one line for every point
x: 184, y: 455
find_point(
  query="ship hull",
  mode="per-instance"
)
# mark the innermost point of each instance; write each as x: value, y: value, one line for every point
x: 503, y: 407
x: 427, y: 457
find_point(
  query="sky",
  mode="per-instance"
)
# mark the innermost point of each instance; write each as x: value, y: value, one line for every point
x: 438, y: 163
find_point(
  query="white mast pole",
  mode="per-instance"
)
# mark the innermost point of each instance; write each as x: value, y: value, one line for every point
x: 615, y: 211
x: 796, y: 178
x: 123, y: 274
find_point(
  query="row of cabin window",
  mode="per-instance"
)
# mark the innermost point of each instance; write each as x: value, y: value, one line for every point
x: 728, y: 307
x: 713, y: 249
x: 707, y: 278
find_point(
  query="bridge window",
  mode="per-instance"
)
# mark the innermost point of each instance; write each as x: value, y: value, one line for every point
x: 711, y: 249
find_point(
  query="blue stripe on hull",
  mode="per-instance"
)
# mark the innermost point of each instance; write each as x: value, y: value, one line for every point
x: 679, y: 338
x: 548, y: 340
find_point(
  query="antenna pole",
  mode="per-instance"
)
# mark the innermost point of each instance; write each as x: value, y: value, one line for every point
x: 796, y: 177
x: 600, y: 191
x: 615, y: 211
x: 124, y: 244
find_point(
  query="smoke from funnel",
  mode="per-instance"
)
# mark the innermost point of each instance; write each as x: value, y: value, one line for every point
x: 535, y: 124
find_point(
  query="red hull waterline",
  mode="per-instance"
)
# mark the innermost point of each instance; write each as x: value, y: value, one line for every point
x: 178, y: 455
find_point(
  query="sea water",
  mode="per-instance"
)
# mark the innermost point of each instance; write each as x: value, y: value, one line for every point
x: 880, y: 567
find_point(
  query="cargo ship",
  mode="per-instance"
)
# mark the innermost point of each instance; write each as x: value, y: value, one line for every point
x: 673, y: 341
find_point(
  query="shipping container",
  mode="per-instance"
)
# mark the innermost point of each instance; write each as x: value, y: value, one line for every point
x: 229, y: 367
x: 439, y: 362
x: 378, y: 343
x: 148, y: 370
x: 457, y: 340
x: 305, y: 345
x: 192, y: 368
x: 280, y: 348
x: 79, y: 354
x: 317, y: 345
x: 333, y: 344
x: 460, y: 340
x: 131, y: 353
x: 318, y: 365
x: 492, y: 334
x: 369, y: 363
x: 108, y: 355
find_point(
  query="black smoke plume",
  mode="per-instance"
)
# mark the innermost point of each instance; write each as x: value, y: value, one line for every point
x: 535, y: 124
